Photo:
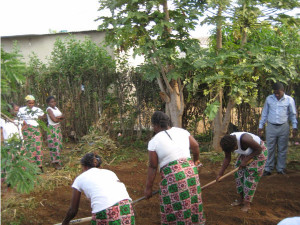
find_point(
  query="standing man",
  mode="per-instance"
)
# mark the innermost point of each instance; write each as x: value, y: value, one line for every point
x: 278, y: 109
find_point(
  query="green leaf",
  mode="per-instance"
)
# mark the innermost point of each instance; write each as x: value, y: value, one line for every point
x: 212, y: 109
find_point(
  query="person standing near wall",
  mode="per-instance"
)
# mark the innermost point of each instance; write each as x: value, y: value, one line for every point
x: 54, y: 136
x: 31, y: 132
x: 278, y: 109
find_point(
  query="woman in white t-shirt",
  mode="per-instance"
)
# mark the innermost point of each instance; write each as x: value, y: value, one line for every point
x: 31, y: 132
x: 250, y: 148
x: 10, y: 128
x: 180, y: 191
x: 54, y: 136
x: 13, y: 127
x: 109, y: 198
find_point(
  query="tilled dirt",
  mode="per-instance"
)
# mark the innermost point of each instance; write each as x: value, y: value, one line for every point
x: 276, y: 198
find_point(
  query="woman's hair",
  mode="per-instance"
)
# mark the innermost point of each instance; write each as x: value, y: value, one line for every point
x: 228, y: 142
x: 91, y: 160
x: 49, y: 99
x: 161, y: 119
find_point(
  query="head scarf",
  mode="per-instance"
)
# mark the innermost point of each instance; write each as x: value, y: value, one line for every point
x: 29, y: 98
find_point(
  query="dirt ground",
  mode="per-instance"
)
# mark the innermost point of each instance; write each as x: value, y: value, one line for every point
x: 276, y: 198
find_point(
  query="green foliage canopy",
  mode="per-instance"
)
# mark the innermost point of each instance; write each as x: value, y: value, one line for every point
x: 258, y: 46
x: 12, y: 69
x: 20, y: 173
x: 152, y: 30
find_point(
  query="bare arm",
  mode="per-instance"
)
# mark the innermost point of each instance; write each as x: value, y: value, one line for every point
x: 225, y: 164
x: 73, y: 207
x: 43, y: 117
x: 52, y: 117
x: 263, y: 120
x: 152, y: 168
x: 195, y: 149
x: 248, y: 142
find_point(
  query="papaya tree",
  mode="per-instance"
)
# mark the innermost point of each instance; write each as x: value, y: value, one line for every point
x: 159, y: 31
x: 237, y: 61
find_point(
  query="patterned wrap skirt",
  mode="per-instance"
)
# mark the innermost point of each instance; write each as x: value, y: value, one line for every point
x: 54, y: 138
x: 33, y: 144
x: 247, y: 179
x: 120, y: 213
x: 180, y: 193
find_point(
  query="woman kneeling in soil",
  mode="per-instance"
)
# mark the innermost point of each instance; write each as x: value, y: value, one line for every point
x: 110, y: 201
x: 248, y: 146
x: 180, y: 191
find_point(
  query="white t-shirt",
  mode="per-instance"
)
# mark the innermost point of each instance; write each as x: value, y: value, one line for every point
x: 102, y: 187
x: 290, y: 221
x: 9, y: 129
x: 30, y: 116
x: 170, y: 149
x: 56, y: 112
x: 248, y: 151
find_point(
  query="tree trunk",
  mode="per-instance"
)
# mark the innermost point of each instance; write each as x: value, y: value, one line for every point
x: 221, y: 122
x: 175, y: 106
x: 223, y: 126
x: 139, y: 128
x: 219, y: 29
x: 171, y: 92
x: 217, y: 123
x: 173, y: 97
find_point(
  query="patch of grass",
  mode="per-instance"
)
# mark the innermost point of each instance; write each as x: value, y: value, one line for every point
x: 204, y: 137
x: 204, y: 147
x: 294, y: 153
x: 126, y: 154
x: 12, y: 209
x: 293, y: 158
x: 212, y: 157
x: 216, y: 157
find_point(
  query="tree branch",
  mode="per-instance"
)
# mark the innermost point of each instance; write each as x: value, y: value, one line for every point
x: 160, y: 84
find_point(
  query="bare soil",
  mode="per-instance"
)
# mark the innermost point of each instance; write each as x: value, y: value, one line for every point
x: 276, y: 198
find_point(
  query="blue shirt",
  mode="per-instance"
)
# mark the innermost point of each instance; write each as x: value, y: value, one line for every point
x: 279, y: 111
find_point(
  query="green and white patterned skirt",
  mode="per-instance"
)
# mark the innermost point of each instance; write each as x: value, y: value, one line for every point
x: 120, y: 213
x: 33, y: 144
x: 55, y: 142
x: 180, y: 193
x: 247, y: 179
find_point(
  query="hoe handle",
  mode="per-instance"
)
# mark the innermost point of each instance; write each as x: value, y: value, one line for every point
x: 224, y: 176
x: 221, y: 178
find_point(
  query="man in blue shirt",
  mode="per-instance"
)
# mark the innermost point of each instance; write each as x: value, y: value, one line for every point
x: 278, y: 109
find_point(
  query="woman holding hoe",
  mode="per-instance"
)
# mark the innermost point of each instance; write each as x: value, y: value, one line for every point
x: 110, y: 201
x: 250, y: 148
x: 54, y: 137
x: 180, y: 191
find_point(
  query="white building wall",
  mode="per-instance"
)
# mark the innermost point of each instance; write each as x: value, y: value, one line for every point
x: 42, y: 45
